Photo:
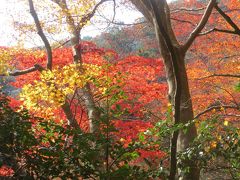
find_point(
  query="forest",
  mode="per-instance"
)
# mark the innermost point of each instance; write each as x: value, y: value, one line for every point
x: 154, y: 99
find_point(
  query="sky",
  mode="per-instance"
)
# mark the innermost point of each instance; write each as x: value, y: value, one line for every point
x: 9, y: 9
x: 8, y: 36
x: 5, y: 24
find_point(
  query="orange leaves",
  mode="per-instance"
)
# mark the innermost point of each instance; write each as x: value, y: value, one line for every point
x: 129, y: 130
x: 144, y: 84
x: 6, y: 171
x: 209, y: 90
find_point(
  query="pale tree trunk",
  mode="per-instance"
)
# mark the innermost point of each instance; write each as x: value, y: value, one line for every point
x: 75, y: 29
x: 92, y: 110
x: 158, y: 14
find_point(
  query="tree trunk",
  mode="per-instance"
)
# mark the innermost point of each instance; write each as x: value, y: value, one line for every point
x: 186, y: 115
x: 75, y: 29
x: 186, y: 110
x: 92, y: 110
x: 158, y: 13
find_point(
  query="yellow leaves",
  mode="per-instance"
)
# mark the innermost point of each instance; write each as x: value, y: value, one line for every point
x: 225, y: 123
x: 213, y: 144
x: 5, y: 58
x: 80, y: 7
x: 54, y: 86
x: 122, y: 139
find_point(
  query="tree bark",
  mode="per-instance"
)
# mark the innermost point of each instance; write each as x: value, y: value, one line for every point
x: 157, y: 12
x: 92, y: 110
x: 66, y: 107
x: 75, y: 29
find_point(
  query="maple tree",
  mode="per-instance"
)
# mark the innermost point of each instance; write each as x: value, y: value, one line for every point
x: 33, y: 101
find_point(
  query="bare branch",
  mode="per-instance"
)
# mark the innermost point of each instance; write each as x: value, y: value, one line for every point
x: 121, y: 23
x: 233, y: 115
x: 88, y: 16
x: 41, y: 34
x: 200, y: 26
x: 197, y: 13
x: 128, y: 24
x: 61, y: 45
x: 221, y: 75
x: 217, y: 108
x: 114, y: 10
x: 217, y: 30
x: 228, y: 19
x: 183, y: 21
x: 36, y: 67
x: 186, y: 9
x: 236, y: 30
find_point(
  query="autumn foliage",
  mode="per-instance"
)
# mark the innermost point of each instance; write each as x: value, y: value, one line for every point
x: 130, y: 92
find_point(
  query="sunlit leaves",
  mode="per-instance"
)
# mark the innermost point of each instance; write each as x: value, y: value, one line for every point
x: 51, y: 91
x: 5, y: 60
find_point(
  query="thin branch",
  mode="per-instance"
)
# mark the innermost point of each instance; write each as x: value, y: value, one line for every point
x: 200, y: 26
x: 216, y: 107
x: 228, y: 19
x: 88, y: 16
x: 61, y: 45
x: 230, y: 94
x: 196, y: 13
x: 183, y: 21
x: 236, y: 30
x: 187, y: 9
x: 120, y: 23
x: 36, y: 67
x: 221, y: 75
x: 218, y: 30
x: 109, y: 22
x: 41, y: 34
x: 128, y: 24
x: 233, y: 115
x: 114, y: 10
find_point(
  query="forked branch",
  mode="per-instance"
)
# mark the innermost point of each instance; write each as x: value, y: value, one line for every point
x: 88, y: 16
x: 200, y: 26
x: 229, y: 20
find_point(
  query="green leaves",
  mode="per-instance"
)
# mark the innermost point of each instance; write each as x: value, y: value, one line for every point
x: 217, y: 147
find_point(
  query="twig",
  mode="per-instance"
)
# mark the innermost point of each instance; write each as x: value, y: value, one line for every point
x: 216, y: 107
x: 221, y: 75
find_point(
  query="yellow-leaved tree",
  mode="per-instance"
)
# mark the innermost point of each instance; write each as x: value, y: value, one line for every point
x: 59, y: 19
